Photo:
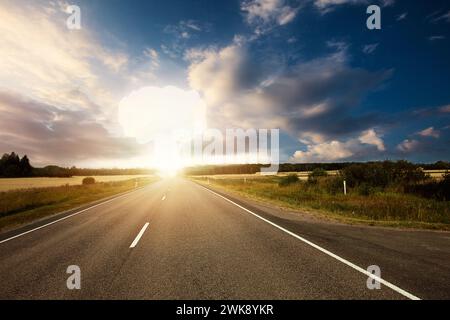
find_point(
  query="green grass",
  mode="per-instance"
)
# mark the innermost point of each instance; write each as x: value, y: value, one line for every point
x: 20, y: 207
x: 380, y: 208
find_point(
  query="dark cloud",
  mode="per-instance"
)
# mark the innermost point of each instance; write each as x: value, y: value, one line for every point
x: 317, y: 96
x: 48, y: 134
x: 322, y: 100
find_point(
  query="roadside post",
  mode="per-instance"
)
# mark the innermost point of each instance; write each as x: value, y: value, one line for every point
x: 345, y: 187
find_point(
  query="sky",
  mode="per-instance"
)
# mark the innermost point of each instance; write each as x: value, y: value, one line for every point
x: 98, y: 96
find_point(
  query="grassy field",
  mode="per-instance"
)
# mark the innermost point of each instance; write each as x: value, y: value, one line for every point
x: 381, y: 208
x: 7, y: 184
x: 18, y: 207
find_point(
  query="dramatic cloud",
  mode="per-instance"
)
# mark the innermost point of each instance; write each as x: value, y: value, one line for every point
x: 312, y: 100
x: 61, y: 88
x: 45, y: 60
x: 48, y: 134
x: 314, y: 95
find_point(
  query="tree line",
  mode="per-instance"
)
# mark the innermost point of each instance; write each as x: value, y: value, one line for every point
x: 12, y: 166
x: 301, y: 167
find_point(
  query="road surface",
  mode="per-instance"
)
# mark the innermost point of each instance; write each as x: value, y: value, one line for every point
x: 177, y: 240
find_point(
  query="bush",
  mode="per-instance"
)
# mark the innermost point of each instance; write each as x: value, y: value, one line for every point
x: 88, y: 181
x: 383, y: 174
x: 333, y: 185
x: 366, y: 190
x: 439, y: 190
x: 288, y: 180
x: 316, y: 174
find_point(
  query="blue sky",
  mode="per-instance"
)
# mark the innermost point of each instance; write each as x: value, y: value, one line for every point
x: 337, y: 91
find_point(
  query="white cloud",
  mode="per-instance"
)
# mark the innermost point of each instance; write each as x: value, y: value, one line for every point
x: 153, y: 56
x: 430, y: 132
x: 370, y: 137
x: 324, y: 152
x: 214, y: 72
x: 264, y: 14
x: 334, y: 150
x: 408, y: 146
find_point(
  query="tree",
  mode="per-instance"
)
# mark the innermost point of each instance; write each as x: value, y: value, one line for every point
x: 12, y: 166
x: 25, y: 168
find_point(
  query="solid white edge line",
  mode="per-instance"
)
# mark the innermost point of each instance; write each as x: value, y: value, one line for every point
x: 140, y: 234
x: 69, y: 216
x: 329, y: 253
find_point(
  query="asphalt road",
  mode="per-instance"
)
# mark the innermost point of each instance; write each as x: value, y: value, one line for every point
x: 177, y: 240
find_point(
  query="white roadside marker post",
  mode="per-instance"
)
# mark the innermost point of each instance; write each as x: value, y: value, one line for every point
x: 345, y: 187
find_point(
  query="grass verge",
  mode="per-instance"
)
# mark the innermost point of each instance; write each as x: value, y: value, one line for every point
x: 20, y: 207
x: 382, y: 209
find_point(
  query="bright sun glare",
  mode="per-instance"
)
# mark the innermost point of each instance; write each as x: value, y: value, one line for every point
x: 153, y: 115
